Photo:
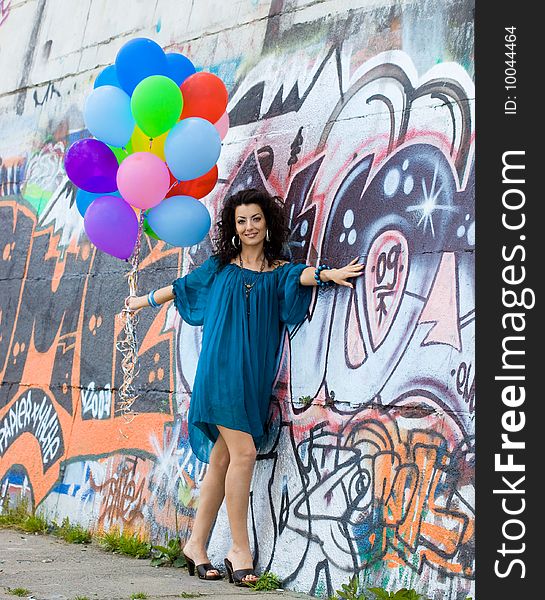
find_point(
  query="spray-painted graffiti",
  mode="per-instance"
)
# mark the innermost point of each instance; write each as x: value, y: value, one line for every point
x: 4, y: 10
x: 372, y: 149
x: 96, y: 403
x: 121, y: 493
x: 38, y: 417
x: 50, y: 91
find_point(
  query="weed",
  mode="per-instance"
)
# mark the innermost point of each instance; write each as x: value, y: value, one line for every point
x: 81, y: 598
x: 403, y: 594
x: 73, y: 534
x: 20, y: 518
x: 267, y: 581
x: 21, y: 592
x: 349, y: 591
x: 139, y: 595
x: 169, y: 555
x: 109, y: 540
x: 305, y: 400
x: 15, y: 516
x: 131, y: 545
x: 35, y: 524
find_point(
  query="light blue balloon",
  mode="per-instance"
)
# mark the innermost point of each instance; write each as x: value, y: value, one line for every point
x: 180, y: 220
x: 108, y: 76
x: 107, y: 115
x: 192, y: 148
x: 84, y: 199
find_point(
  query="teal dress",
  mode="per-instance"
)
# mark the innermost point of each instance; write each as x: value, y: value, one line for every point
x: 240, y: 344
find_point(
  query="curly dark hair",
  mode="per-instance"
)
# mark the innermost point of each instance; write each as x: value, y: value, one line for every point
x: 273, y: 209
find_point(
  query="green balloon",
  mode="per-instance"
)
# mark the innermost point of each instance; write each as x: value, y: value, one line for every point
x: 121, y: 153
x: 156, y: 104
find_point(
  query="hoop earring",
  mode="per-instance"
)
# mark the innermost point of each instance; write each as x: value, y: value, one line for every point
x: 267, y: 236
x: 233, y: 242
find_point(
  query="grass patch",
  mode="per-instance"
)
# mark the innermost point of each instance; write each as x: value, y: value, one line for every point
x: 267, y: 581
x: 73, y: 534
x: 13, y: 516
x: 139, y: 595
x: 109, y: 540
x: 35, y: 524
x: 19, y: 591
x: 20, y: 517
x: 130, y: 545
x: 81, y: 598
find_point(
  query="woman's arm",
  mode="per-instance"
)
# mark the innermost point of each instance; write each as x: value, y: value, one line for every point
x: 160, y: 296
x: 338, y: 276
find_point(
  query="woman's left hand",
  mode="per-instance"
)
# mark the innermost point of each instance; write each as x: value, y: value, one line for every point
x: 340, y: 276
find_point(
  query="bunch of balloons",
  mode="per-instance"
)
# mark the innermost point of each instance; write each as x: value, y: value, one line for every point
x: 157, y: 126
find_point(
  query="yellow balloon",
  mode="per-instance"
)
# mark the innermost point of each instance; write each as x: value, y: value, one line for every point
x: 141, y: 143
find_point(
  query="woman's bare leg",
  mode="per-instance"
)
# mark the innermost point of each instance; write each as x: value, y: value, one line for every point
x: 211, y: 496
x: 237, y: 490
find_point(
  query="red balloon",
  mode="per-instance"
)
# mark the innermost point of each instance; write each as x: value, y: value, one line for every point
x: 205, y: 96
x: 197, y: 188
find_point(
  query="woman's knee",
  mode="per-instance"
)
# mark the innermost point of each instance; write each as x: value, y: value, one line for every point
x: 244, y: 455
x: 240, y: 445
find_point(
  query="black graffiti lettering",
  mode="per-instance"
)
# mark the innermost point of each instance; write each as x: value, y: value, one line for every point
x: 386, y: 264
x: 463, y: 385
x: 38, y: 418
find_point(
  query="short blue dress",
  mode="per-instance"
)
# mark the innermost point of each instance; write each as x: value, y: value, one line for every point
x: 240, y: 343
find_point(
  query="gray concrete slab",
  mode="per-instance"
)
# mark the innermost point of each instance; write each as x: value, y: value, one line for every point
x: 52, y: 569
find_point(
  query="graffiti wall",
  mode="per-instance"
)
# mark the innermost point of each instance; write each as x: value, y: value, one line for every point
x: 359, y: 114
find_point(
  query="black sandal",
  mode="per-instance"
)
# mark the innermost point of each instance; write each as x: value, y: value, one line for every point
x: 202, y: 570
x: 237, y: 577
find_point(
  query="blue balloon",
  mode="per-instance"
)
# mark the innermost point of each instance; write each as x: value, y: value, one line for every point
x: 107, y: 115
x: 180, y: 67
x: 107, y: 76
x: 137, y: 59
x: 84, y: 199
x: 179, y: 220
x: 192, y: 148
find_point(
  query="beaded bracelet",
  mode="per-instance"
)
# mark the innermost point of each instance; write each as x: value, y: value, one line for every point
x: 317, y: 276
x: 151, y: 299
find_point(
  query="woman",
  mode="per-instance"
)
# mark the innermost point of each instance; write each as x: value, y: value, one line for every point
x: 243, y: 296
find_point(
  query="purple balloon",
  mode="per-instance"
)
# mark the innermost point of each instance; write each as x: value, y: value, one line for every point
x: 92, y: 166
x: 111, y: 225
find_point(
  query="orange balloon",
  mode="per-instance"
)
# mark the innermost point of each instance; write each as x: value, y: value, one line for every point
x: 205, y: 96
x: 197, y: 188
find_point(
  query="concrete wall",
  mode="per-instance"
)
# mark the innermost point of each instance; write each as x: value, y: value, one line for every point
x: 361, y: 114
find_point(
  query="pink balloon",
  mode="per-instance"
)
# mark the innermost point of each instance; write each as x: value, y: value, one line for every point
x: 222, y: 124
x: 143, y: 179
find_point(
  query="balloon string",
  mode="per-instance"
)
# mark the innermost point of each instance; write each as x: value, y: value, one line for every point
x: 150, y: 143
x: 128, y: 345
x: 175, y: 183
